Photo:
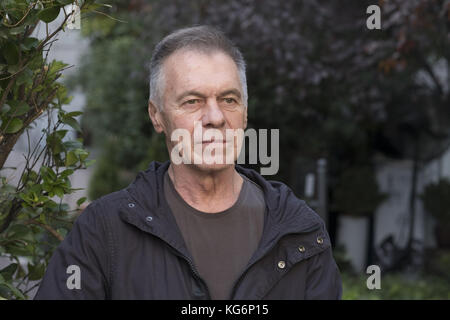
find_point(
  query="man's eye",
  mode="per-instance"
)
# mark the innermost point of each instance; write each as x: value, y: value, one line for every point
x: 229, y: 100
x: 192, y: 101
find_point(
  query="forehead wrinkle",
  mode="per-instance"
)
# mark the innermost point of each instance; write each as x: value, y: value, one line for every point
x: 195, y: 63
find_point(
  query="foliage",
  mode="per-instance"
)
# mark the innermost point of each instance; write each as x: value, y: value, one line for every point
x: 405, y: 67
x: 432, y: 283
x: 305, y: 71
x: 396, y: 287
x: 33, y: 218
x: 156, y: 151
x: 115, y: 103
x: 105, y: 178
x: 357, y: 193
x: 436, y: 200
x: 109, y: 176
x: 291, y: 73
x: 437, y: 262
x: 342, y: 259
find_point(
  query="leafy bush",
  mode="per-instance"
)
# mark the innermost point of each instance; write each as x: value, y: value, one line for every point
x: 105, y: 178
x: 357, y: 192
x: 437, y: 262
x: 33, y: 218
x: 343, y: 260
x: 396, y: 287
x: 436, y: 200
x: 109, y: 176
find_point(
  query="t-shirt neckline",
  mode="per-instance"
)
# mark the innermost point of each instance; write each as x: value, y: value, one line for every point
x: 203, y: 214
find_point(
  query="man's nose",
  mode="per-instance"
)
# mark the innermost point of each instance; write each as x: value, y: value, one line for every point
x: 213, y: 116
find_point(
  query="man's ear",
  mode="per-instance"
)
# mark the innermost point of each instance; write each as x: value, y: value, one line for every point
x: 245, y: 118
x: 155, y: 116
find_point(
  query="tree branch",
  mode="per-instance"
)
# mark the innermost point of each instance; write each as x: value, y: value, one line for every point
x: 46, y: 227
x: 430, y: 72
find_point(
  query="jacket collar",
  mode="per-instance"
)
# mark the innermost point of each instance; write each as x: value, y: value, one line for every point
x: 146, y: 208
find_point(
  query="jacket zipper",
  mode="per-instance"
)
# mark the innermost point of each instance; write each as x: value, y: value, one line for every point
x: 193, y: 269
x: 197, y: 275
x: 191, y: 264
x: 235, y: 286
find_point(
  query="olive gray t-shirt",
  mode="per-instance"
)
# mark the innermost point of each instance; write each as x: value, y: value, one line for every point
x: 221, y: 243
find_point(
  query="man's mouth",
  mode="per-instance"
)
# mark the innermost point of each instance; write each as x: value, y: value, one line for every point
x: 214, y: 141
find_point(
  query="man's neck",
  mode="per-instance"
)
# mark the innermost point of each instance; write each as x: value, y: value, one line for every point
x: 207, y: 191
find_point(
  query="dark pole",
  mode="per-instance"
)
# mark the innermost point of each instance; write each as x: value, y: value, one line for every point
x: 322, y: 190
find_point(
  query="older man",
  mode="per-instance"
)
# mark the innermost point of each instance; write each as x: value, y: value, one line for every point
x: 199, y: 227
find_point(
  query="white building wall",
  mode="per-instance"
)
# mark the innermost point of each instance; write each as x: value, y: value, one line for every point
x: 393, y: 217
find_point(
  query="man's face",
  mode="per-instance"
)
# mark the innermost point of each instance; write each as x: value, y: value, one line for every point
x: 202, y: 89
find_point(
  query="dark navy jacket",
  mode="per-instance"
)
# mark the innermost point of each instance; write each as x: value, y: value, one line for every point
x: 127, y: 246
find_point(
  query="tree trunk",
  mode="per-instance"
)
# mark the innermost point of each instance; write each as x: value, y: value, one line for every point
x: 370, y: 239
x: 7, y: 143
x: 412, y: 197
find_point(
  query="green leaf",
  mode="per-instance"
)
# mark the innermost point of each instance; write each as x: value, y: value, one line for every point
x: 90, y: 162
x: 17, y: 30
x: 72, y: 122
x: 26, y: 76
x: 49, y: 14
x: 48, y: 172
x: 54, y: 144
x: 4, y: 292
x: 61, y: 133
x: 42, y: 219
x: 82, y: 154
x: 72, y: 144
x: 74, y: 113
x: 14, y: 68
x: 36, y: 62
x: 66, y: 2
x: 18, y: 108
x: 29, y: 43
x: 95, y: 6
x: 56, y: 66
x: 81, y: 201
x: 54, y: 141
x: 58, y: 191
x: 18, y: 231
x: 15, y: 291
x: 8, y: 271
x: 47, y: 186
x: 66, y: 173
x: 36, y: 188
x: 16, y: 250
x: 20, y: 272
x: 14, y: 126
x: 71, y: 158
x: 5, y: 108
x: 3, y: 34
x: 11, y: 53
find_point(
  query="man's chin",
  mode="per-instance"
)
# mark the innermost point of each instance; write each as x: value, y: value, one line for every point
x: 209, y: 166
x: 206, y: 162
x: 213, y: 167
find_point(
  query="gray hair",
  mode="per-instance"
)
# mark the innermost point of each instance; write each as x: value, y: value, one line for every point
x: 200, y: 38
